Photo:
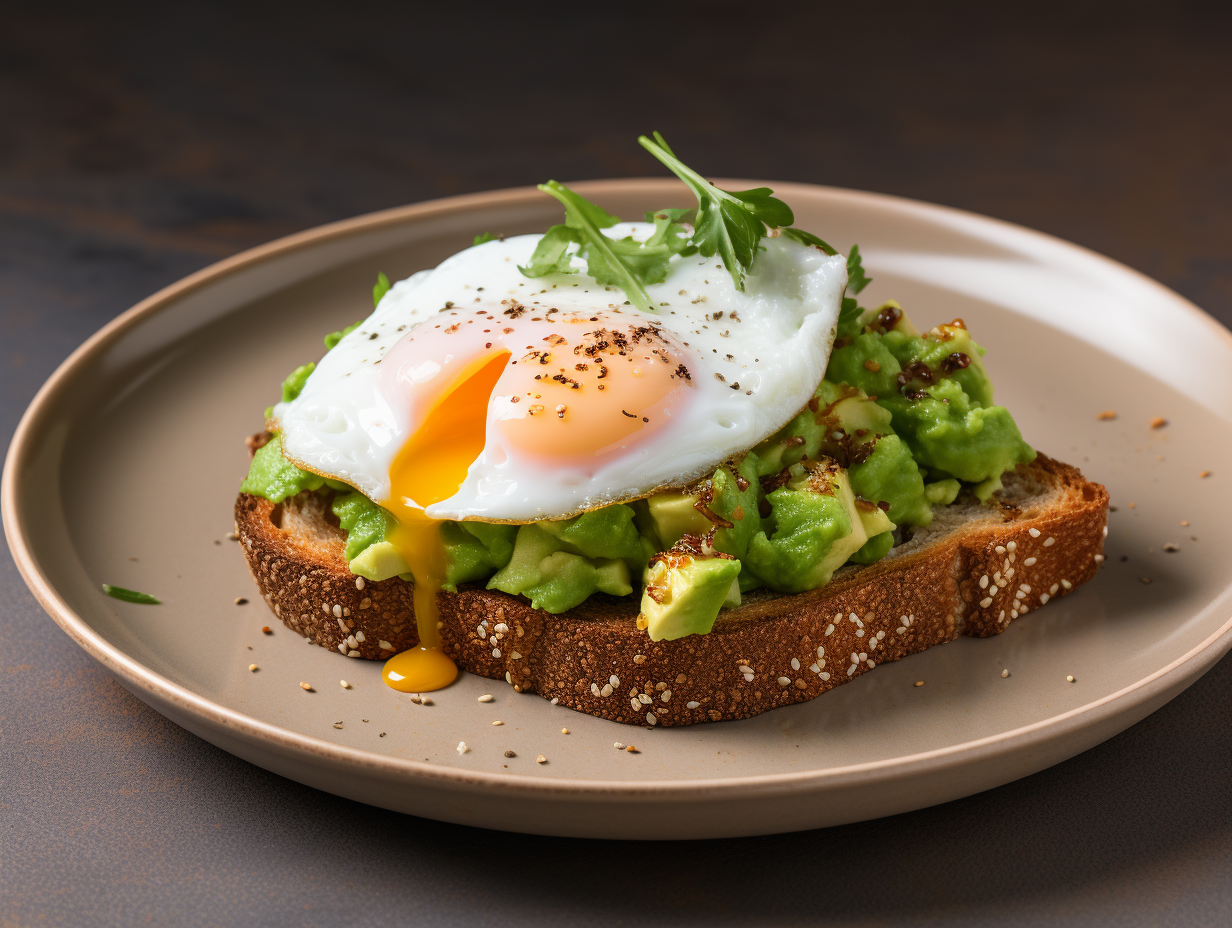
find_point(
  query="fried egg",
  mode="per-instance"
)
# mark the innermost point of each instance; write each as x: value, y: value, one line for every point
x: 473, y: 392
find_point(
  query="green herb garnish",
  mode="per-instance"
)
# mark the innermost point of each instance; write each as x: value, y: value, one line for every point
x: 625, y: 262
x: 808, y: 238
x: 857, y: 280
x: 729, y: 223
x: 130, y: 596
x: 380, y: 288
x: 484, y: 237
x: 851, y: 312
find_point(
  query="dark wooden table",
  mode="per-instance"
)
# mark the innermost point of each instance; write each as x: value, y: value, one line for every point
x: 137, y: 146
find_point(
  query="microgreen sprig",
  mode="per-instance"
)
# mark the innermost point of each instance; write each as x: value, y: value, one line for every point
x: 730, y: 223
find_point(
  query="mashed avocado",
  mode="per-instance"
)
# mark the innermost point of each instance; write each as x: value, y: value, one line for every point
x: 835, y: 485
x: 938, y: 394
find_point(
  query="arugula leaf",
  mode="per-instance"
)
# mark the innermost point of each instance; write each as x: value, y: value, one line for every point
x: 730, y: 223
x: 857, y: 280
x: 625, y: 263
x: 380, y: 289
x: 484, y: 237
x: 808, y: 238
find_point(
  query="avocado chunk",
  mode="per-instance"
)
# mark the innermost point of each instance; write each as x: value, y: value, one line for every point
x: 609, y: 532
x: 814, y: 526
x: 685, y: 589
x: 889, y: 474
x: 874, y: 549
x: 554, y: 578
x: 947, y: 432
x: 474, y: 551
x: 729, y: 495
x: 847, y: 425
x: 271, y: 476
x: 942, y: 492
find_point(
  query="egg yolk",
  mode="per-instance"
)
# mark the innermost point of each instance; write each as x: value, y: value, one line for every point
x: 431, y: 467
x: 581, y: 394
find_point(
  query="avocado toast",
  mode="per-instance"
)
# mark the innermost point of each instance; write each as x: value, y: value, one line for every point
x: 713, y: 515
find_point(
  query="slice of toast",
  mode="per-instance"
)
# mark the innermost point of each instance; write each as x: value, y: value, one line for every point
x: 973, y: 571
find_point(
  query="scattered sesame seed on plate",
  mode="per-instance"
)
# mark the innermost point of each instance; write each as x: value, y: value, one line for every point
x: 1004, y: 674
x: 631, y: 749
x: 510, y: 754
x: 486, y: 697
x: 1158, y: 422
x: 240, y: 601
x: 1106, y: 415
x: 1205, y: 473
x: 1069, y: 678
x: 338, y: 725
x: 462, y: 748
x: 498, y: 722
x: 253, y: 667
x: 564, y: 731
x: 541, y: 759
x: 618, y: 746
x: 344, y: 684
x: 426, y: 701
x: 307, y: 687
x: 919, y: 682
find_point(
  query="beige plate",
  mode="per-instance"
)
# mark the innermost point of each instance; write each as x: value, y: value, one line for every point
x: 125, y: 468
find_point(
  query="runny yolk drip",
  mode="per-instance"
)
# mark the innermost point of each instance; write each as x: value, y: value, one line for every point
x: 431, y: 467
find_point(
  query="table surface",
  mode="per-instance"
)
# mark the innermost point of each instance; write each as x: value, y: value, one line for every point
x: 137, y: 147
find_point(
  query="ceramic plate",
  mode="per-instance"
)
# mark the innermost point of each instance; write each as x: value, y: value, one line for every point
x: 125, y: 468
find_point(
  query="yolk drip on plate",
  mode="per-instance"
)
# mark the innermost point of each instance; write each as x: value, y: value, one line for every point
x: 431, y: 467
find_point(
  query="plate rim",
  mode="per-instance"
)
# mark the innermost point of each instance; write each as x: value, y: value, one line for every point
x: 161, y: 690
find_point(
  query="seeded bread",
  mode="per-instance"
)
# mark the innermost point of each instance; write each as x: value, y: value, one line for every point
x: 977, y: 568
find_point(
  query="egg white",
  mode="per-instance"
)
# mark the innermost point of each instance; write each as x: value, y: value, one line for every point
x: 776, y: 348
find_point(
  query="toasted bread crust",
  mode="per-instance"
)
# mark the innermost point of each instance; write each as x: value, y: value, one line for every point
x: 972, y: 573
